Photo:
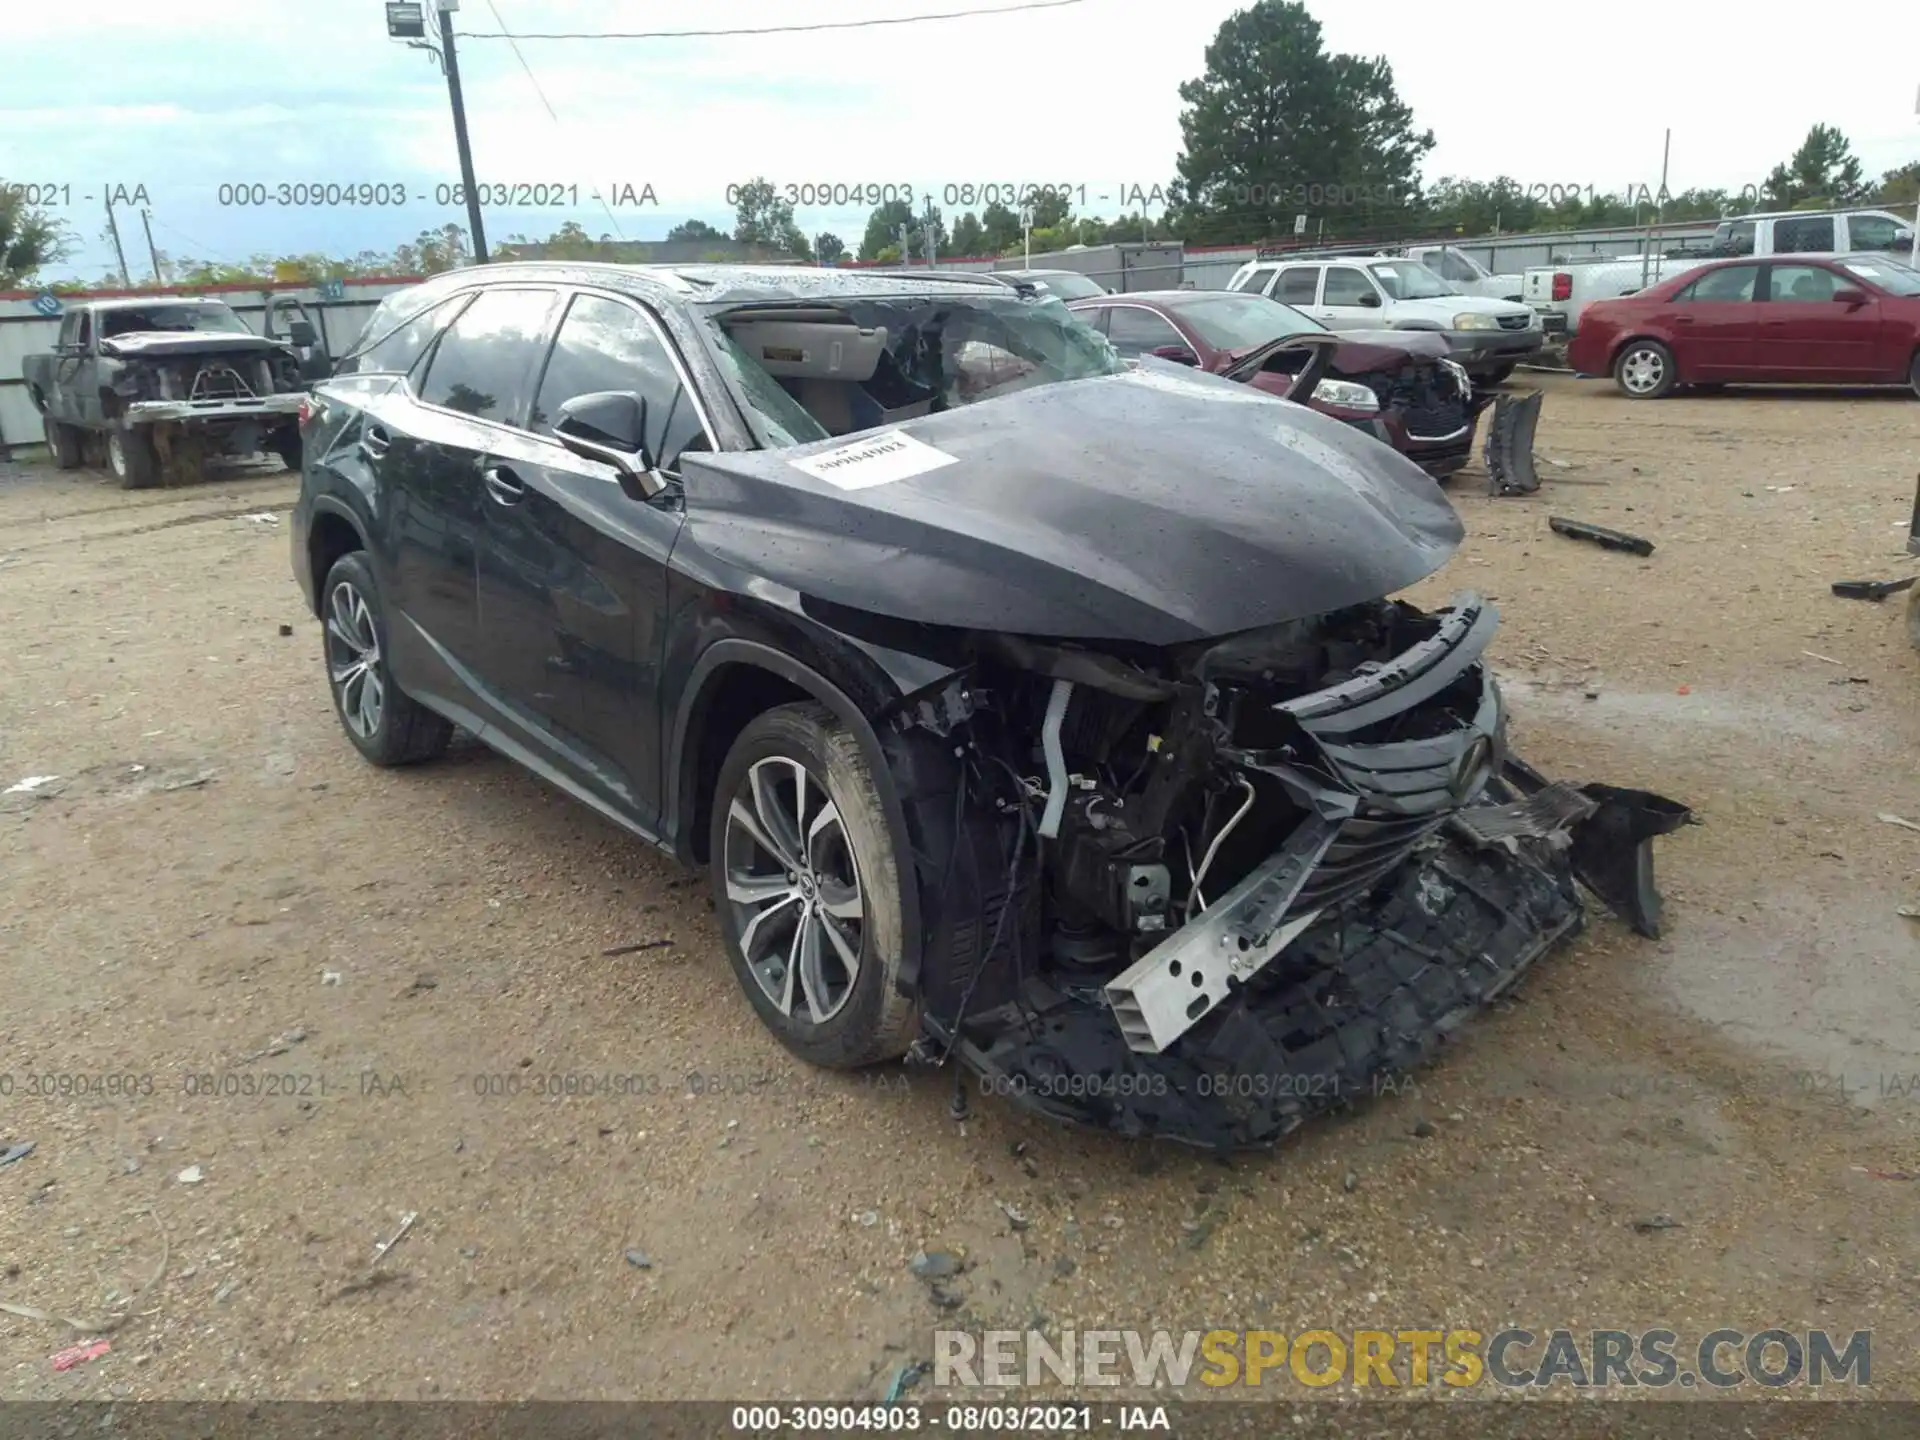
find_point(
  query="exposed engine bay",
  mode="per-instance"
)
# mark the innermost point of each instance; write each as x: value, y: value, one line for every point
x: 1207, y: 892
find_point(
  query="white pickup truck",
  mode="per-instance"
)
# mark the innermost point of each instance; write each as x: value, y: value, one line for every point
x: 1466, y: 274
x: 1559, y: 292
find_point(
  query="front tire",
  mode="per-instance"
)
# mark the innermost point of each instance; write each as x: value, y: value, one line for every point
x: 385, y: 724
x: 286, y: 445
x: 131, y: 457
x: 64, y: 443
x: 1644, y: 370
x: 806, y: 881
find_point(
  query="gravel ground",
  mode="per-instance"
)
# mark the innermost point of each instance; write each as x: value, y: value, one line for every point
x: 215, y: 874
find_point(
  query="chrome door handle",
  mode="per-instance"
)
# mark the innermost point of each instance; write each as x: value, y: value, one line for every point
x: 503, y: 485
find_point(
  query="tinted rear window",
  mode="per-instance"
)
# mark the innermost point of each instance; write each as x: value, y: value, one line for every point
x: 482, y: 365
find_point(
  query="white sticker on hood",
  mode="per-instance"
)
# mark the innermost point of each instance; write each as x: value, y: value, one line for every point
x: 877, y: 460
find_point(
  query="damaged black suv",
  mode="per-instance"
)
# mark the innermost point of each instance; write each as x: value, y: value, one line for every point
x: 1029, y: 706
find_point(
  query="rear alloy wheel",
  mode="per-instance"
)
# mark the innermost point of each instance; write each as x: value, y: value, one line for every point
x: 130, y: 457
x: 384, y: 724
x: 1644, y: 370
x: 806, y: 881
x: 63, y: 441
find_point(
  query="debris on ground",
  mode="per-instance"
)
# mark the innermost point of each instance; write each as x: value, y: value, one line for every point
x: 16, y: 1152
x: 286, y: 630
x: 639, y: 1259
x: 1871, y: 589
x: 1885, y: 1174
x: 190, y: 1176
x: 97, y: 1326
x: 30, y: 784
x: 80, y: 1354
x: 192, y: 782
x: 1600, y: 535
x: 263, y: 517
x: 1816, y: 655
x: 381, y: 1250
x: 1509, y: 449
x: 329, y: 977
x: 1655, y: 1222
x: 279, y: 1045
x: 635, y: 949
x: 904, y: 1379
x: 936, y: 1265
x: 1015, y: 1219
x: 1887, y: 818
x: 1911, y: 912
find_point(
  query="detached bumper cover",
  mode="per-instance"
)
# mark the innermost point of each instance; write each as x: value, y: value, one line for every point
x: 146, y: 412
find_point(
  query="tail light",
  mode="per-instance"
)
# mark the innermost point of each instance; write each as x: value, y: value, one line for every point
x: 1562, y: 286
x: 305, y: 412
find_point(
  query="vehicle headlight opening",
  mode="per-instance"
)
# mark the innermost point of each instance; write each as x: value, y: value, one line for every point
x: 1346, y: 393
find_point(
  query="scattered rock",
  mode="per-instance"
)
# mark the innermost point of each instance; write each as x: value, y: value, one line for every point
x: 225, y: 1292
x: 639, y: 1259
x: 286, y: 630
x: 945, y: 1299
x: 1065, y: 1266
x: 190, y: 1176
x: 1655, y: 1222
x: 1350, y: 1182
x: 936, y: 1265
x: 1015, y: 1219
x: 1422, y: 1129
x: 868, y: 1218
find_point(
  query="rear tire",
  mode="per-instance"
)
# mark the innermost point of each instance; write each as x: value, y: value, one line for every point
x: 1913, y: 373
x: 385, y: 724
x: 287, y: 446
x: 63, y: 441
x: 1644, y: 370
x: 131, y: 458
x: 806, y: 881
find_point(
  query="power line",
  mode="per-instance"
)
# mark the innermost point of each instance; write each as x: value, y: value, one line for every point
x: 761, y: 29
x: 534, y: 81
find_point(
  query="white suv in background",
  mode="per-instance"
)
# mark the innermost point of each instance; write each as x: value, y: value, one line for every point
x: 1486, y: 337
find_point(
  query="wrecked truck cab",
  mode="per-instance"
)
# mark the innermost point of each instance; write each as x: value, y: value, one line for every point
x: 1032, y: 710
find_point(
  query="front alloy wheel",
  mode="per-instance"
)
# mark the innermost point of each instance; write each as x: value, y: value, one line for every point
x: 794, y: 887
x: 353, y: 660
x: 1645, y: 370
x: 807, y: 878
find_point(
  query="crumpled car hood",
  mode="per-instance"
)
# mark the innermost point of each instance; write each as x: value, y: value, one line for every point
x: 1157, y: 506
x: 165, y: 344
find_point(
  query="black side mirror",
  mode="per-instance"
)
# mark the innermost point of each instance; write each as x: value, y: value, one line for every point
x: 611, y: 426
x: 300, y: 333
x: 1369, y: 300
x: 1179, y: 354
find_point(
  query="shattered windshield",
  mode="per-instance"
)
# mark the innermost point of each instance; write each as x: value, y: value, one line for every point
x: 1234, y: 320
x: 180, y: 318
x: 808, y: 371
x: 1409, y: 280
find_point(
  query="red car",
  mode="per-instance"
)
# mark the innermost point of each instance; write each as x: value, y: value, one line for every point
x: 1397, y: 385
x: 1850, y: 319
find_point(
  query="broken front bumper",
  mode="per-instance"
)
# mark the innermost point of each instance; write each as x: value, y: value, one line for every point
x: 1427, y: 875
x: 146, y: 412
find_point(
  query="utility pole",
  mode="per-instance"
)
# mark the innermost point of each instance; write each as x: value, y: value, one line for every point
x: 126, y: 275
x: 928, y: 233
x: 407, y: 20
x: 1026, y: 236
x: 1659, y: 205
x: 153, y: 254
x: 446, y: 9
x: 906, y: 245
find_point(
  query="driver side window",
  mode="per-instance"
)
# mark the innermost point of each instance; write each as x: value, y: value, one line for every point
x: 610, y: 345
x: 1348, y: 286
x: 1136, y: 332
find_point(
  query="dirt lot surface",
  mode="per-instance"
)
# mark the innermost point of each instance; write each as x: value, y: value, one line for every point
x: 215, y: 873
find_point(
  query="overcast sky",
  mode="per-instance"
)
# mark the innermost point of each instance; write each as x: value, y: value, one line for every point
x: 184, y: 97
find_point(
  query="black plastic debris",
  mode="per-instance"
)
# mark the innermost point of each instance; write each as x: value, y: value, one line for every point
x: 1871, y: 589
x: 1600, y: 535
x: 1509, y: 449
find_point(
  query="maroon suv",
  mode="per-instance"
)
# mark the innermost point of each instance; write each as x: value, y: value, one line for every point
x: 1397, y: 385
